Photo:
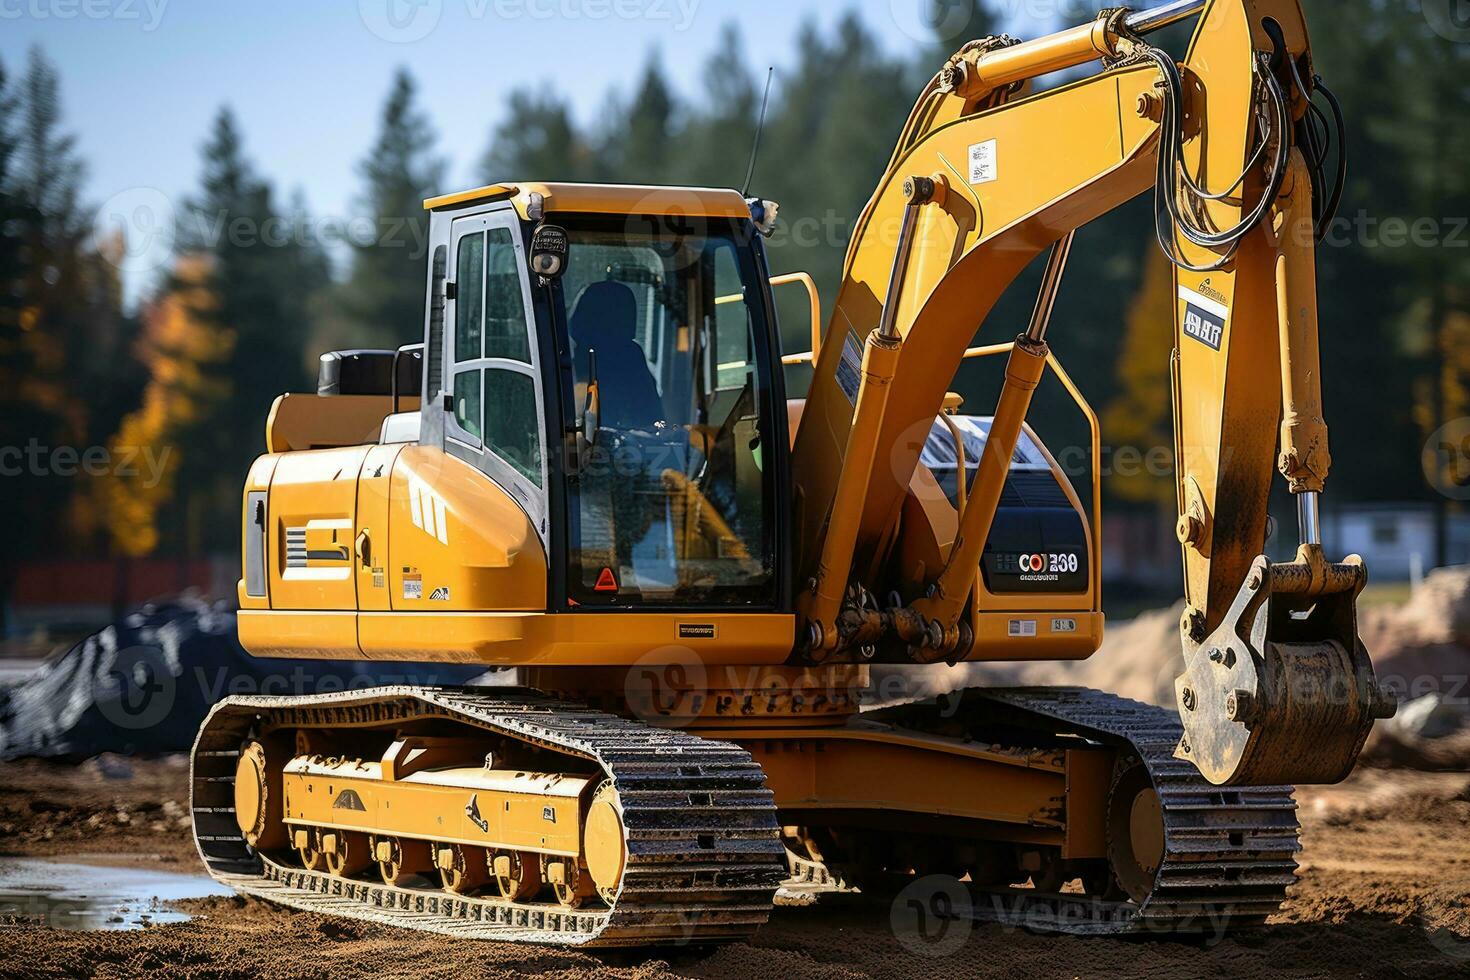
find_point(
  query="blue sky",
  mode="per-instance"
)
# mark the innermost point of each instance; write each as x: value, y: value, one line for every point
x: 141, y: 79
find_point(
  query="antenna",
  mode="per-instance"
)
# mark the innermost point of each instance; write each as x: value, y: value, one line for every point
x: 760, y: 125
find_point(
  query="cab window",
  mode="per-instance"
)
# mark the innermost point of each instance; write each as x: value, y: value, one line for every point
x: 495, y: 396
x: 671, y: 504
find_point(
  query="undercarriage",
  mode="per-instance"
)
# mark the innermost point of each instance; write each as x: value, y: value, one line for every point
x: 1063, y: 808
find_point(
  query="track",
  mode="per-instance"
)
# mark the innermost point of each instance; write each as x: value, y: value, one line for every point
x: 704, y: 855
x: 1229, y: 853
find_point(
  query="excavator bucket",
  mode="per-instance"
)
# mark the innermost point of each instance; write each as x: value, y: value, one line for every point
x: 1282, y: 692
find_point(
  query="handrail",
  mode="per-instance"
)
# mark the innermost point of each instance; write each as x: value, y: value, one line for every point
x: 1095, y: 518
x: 814, y: 300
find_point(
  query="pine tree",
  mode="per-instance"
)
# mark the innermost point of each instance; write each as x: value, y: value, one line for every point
x: 538, y: 140
x: 384, y: 297
x: 718, y: 138
x: 643, y: 137
x: 254, y: 299
x: 18, y: 417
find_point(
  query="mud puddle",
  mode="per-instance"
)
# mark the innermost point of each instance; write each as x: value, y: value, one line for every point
x: 90, y: 897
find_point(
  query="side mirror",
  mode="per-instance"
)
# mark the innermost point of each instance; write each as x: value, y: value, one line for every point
x: 548, y: 252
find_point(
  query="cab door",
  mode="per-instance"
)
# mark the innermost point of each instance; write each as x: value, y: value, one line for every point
x: 497, y: 423
x: 370, y: 544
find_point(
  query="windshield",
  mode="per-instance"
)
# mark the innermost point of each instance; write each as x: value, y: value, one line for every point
x: 670, y: 504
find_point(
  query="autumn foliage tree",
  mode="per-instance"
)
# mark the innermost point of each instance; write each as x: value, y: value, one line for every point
x: 184, y: 352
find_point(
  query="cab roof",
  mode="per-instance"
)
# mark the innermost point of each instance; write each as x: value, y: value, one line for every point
x: 705, y: 202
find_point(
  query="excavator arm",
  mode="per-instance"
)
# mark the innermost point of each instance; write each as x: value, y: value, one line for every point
x: 1276, y: 686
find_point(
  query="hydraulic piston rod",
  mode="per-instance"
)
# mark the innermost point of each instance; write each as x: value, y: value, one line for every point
x: 995, y: 67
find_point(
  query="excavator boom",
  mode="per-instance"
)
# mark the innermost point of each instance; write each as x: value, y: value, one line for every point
x: 983, y: 180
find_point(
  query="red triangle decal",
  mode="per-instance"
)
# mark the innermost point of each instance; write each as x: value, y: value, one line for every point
x: 606, y: 582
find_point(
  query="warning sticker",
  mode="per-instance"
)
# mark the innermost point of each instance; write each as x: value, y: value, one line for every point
x: 1064, y: 625
x: 850, y: 368
x: 1204, y: 317
x: 983, y: 163
x: 413, y: 586
x: 1022, y: 627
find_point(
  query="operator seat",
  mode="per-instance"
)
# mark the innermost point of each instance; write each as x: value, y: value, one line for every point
x: 605, y: 319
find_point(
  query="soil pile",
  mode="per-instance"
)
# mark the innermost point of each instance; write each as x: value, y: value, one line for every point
x: 1420, y: 650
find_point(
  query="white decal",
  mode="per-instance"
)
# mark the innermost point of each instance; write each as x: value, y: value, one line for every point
x: 427, y: 510
x: 1204, y: 302
x: 850, y: 368
x: 983, y: 167
x: 1064, y: 625
x: 1022, y: 627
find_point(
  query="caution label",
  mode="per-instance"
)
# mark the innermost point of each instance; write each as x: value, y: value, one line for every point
x: 1021, y: 627
x: 850, y: 368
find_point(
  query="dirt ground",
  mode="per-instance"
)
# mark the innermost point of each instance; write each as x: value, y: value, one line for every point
x: 1385, y: 892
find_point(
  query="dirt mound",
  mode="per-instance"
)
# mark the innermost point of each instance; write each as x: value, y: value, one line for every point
x: 1139, y: 659
x: 143, y: 685
x: 1423, y: 646
x: 1420, y: 649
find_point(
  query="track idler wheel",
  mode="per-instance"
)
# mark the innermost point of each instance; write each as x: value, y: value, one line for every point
x: 517, y: 874
x: 1135, y: 831
x: 604, y: 842
x: 259, y: 805
x: 462, y: 869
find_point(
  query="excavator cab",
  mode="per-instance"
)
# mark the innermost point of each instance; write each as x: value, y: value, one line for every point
x: 665, y: 347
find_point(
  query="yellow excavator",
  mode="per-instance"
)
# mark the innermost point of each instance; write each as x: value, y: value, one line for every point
x: 590, y: 471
